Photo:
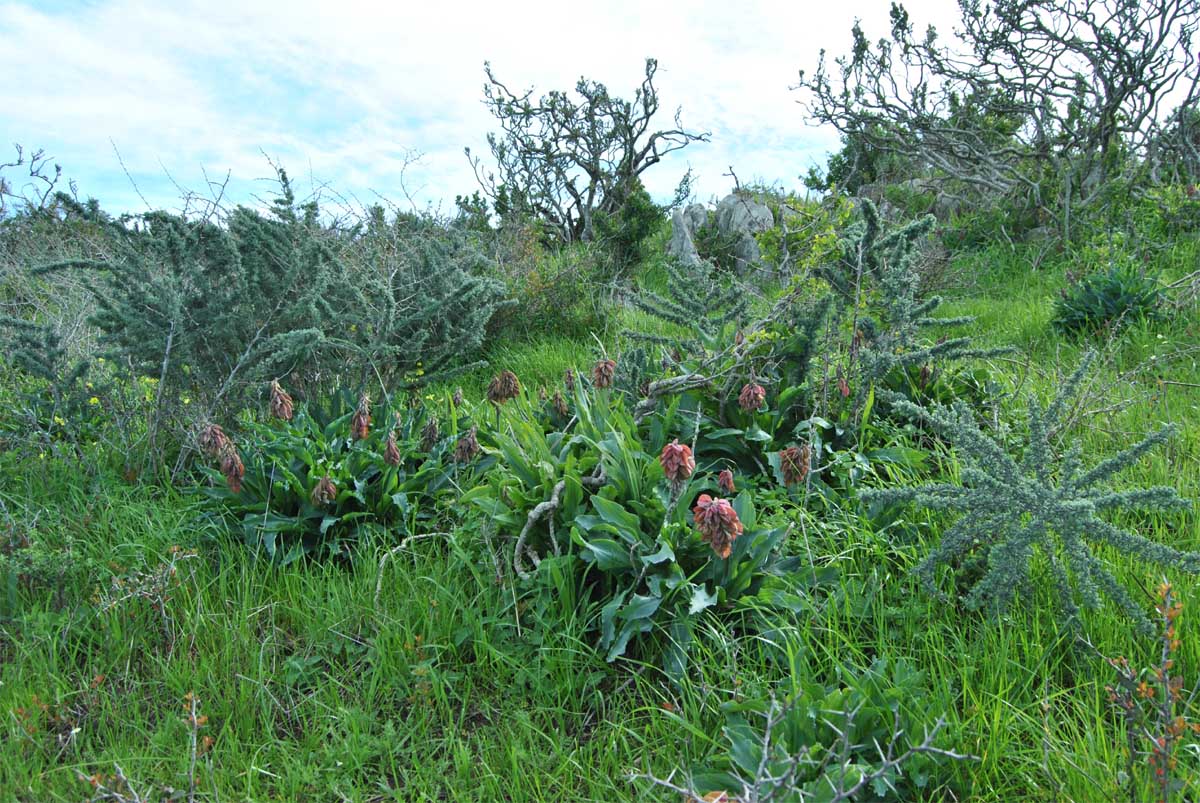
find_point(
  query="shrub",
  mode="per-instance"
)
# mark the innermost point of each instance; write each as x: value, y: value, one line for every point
x: 594, y: 502
x: 212, y: 311
x: 698, y: 302
x: 624, y: 232
x: 819, y: 353
x: 870, y: 736
x: 715, y: 247
x: 806, y: 234
x: 1157, y: 715
x: 1012, y: 507
x: 1106, y: 299
x: 312, y: 486
x: 553, y: 292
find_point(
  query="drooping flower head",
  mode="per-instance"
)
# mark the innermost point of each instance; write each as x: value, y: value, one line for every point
x: 360, y: 424
x: 569, y: 379
x: 925, y: 375
x: 457, y: 398
x: 725, y: 481
x: 467, y: 447
x: 560, y: 404
x: 504, y: 386
x: 391, y: 451
x: 323, y: 492
x: 718, y: 523
x: 231, y: 466
x: 752, y: 397
x: 281, y: 402
x: 212, y: 440
x: 677, y: 462
x: 430, y: 434
x: 794, y: 464
x: 603, y: 373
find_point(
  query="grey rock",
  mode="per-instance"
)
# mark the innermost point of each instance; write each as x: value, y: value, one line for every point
x: 684, y: 224
x: 744, y: 217
x: 872, y: 192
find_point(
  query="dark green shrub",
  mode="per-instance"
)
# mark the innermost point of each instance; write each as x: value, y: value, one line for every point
x: 871, y: 736
x: 279, y: 510
x: 215, y: 310
x: 1102, y: 300
x: 624, y: 232
x: 591, y: 508
x: 715, y: 247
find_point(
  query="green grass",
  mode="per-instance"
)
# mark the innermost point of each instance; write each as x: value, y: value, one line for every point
x: 455, y: 687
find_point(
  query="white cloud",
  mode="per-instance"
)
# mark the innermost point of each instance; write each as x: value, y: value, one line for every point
x: 345, y: 90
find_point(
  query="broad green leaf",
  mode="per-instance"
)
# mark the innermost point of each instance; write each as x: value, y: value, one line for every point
x: 701, y: 599
x: 630, y: 629
x: 628, y: 525
x: 607, y: 554
x: 664, y: 553
x: 640, y: 607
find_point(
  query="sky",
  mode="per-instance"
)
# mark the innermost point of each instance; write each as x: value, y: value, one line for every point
x: 138, y: 99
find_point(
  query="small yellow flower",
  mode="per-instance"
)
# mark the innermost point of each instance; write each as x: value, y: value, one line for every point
x: 93, y: 401
x: 186, y: 400
x: 58, y: 419
x: 88, y: 385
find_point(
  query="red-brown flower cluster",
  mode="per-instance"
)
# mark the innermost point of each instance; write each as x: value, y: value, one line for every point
x: 560, y: 404
x: 718, y: 523
x: 231, y: 466
x: 603, y: 373
x: 725, y: 481
x: 466, y: 448
x: 281, y: 402
x: 212, y: 440
x: 360, y: 424
x: 677, y: 461
x: 752, y: 397
x: 504, y: 386
x: 215, y: 444
x: 391, y: 452
x: 794, y: 464
x: 324, y: 492
x: 430, y: 434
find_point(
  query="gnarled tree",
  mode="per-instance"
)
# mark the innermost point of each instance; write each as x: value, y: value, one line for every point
x: 1073, y: 91
x: 564, y: 158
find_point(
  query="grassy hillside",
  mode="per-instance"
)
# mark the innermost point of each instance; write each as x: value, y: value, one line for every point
x: 423, y: 678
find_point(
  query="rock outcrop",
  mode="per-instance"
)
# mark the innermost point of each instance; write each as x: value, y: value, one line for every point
x: 743, y: 218
x: 684, y: 225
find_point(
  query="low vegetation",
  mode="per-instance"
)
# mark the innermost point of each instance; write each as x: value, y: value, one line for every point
x: 510, y: 506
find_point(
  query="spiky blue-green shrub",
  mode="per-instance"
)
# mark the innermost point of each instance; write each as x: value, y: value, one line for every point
x: 879, y: 262
x: 1012, y: 508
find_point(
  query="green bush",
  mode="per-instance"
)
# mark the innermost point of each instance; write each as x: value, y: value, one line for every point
x: 216, y: 310
x: 825, y: 740
x: 278, y: 509
x: 1042, y: 501
x: 715, y: 247
x: 592, y: 507
x: 1102, y: 300
x: 553, y: 292
x: 624, y: 232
